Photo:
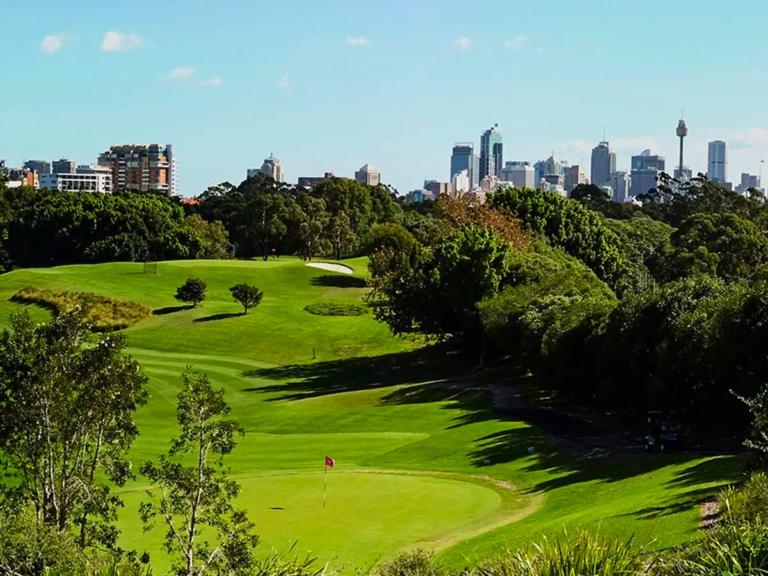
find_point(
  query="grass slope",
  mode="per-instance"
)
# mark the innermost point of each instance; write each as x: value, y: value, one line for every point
x: 417, y: 464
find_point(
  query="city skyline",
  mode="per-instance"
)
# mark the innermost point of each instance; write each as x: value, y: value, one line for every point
x: 188, y: 76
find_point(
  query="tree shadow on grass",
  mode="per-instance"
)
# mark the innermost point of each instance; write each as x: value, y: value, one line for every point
x: 338, y: 281
x: 300, y: 381
x: 170, y: 310
x: 215, y: 317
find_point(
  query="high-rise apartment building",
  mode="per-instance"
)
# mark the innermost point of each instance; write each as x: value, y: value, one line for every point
x: 84, y: 179
x: 368, y: 175
x: 141, y: 167
x: 574, y: 176
x: 64, y: 166
x: 717, y: 163
x: 463, y: 158
x: 39, y: 166
x: 491, y: 152
x: 519, y: 174
x: 603, y: 164
x: 621, y: 185
x: 272, y: 168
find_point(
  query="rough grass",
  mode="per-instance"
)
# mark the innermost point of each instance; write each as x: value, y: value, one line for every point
x: 105, y: 314
x: 336, y: 309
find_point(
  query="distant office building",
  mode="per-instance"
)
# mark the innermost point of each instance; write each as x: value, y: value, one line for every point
x: 685, y: 176
x: 273, y: 168
x: 437, y: 189
x: 252, y: 172
x: 463, y: 157
x: 63, y: 166
x: 491, y: 152
x: 548, y: 167
x: 141, y: 167
x: 574, y: 176
x: 309, y: 181
x: 461, y: 181
x: 550, y: 187
x: 643, y: 181
x: 603, y: 164
x: 717, y: 162
x: 368, y: 175
x: 647, y: 161
x: 489, y: 183
x: 415, y: 196
x: 554, y: 180
x: 519, y: 174
x: 621, y: 185
x: 39, y: 166
x: 85, y: 178
x: 748, y: 181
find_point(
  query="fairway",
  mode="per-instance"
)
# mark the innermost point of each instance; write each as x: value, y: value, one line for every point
x: 421, y: 460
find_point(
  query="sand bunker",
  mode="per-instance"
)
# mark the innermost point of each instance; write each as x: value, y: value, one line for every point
x: 331, y: 267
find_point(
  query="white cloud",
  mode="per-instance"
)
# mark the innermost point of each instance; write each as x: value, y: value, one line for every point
x: 462, y: 43
x: 357, y: 40
x: 214, y: 82
x: 752, y: 138
x: 119, y: 42
x: 181, y: 72
x: 516, y: 42
x: 53, y: 43
x: 284, y: 82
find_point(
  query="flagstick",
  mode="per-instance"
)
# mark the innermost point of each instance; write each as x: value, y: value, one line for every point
x: 325, y: 484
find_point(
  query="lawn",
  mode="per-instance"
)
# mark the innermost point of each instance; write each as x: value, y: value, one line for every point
x: 417, y: 464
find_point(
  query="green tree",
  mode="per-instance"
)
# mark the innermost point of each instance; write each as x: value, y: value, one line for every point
x: 341, y: 235
x: 215, y: 238
x: 313, y: 220
x: 193, y: 290
x: 568, y: 225
x: 67, y: 421
x: 196, y: 500
x: 249, y: 296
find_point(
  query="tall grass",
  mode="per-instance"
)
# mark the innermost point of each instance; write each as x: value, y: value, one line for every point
x: 583, y: 555
x: 105, y: 314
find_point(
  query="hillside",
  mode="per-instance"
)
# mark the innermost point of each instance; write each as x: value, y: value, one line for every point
x: 422, y: 459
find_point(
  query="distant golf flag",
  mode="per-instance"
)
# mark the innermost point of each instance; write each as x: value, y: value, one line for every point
x: 328, y: 464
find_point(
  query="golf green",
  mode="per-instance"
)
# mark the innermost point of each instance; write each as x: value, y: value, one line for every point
x: 422, y: 458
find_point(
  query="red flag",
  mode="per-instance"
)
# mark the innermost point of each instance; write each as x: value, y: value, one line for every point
x: 329, y: 462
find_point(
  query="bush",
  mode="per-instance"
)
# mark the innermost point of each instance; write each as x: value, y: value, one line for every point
x: 105, y: 314
x: 193, y: 290
x: 747, y: 504
x: 417, y: 563
x: 583, y: 555
x: 336, y: 309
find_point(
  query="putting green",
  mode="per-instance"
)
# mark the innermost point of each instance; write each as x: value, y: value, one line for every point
x: 368, y: 514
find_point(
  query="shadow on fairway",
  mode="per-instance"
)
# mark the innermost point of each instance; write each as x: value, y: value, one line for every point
x: 338, y: 281
x: 298, y: 382
x: 215, y: 317
x: 170, y: 310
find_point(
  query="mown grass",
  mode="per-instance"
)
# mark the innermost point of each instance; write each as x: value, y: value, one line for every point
x: 418, y: 462
x: 336, y: 309
x: 104, y: 313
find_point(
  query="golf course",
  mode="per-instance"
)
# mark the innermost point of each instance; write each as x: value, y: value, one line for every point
x: 422, y: 456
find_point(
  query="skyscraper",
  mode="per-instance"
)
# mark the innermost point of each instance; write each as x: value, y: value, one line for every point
x: 603, y: 164
x: 646, y: 168
x: 574, y: 175
x: 519, y: 174
x: 141, y: 167
x: 491, y: 152
x: 464, y: 158
x: 621, y: 183
x: 272, y: 168
x: 368, y: 175
x: 717, y: 163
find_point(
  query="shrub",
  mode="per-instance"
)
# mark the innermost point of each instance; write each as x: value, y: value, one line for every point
x: 249, y: 296
x: 416, y: 563
x: 193, y: 291
x: 280, y: 564
x: 747, y: 504
x: 584, y: 554
x: 104, y: 314
x: 336, y: 309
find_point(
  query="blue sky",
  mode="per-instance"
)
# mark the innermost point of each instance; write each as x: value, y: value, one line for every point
x: 331, y: 85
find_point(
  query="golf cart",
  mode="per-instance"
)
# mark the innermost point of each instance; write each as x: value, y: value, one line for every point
x: 665, y: 432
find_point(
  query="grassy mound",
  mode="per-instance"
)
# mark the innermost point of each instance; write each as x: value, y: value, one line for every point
x: 336, y: 309
x: 104, y: 313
